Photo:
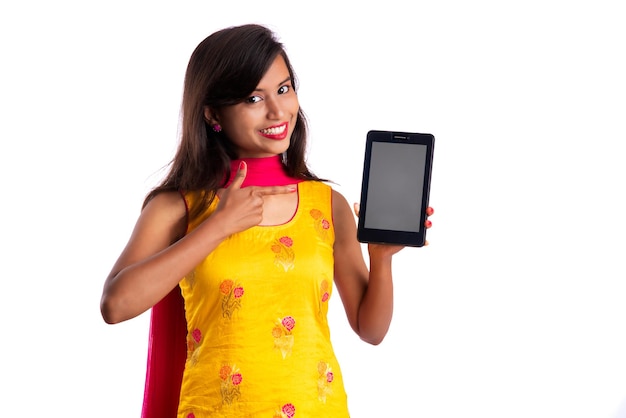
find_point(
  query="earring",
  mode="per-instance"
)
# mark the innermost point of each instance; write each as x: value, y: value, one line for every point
x: 216, y: 127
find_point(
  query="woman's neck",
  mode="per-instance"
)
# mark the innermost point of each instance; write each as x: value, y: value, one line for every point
x: 264, y: 171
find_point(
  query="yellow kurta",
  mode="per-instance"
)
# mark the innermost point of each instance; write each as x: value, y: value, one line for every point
x: 256, y: 308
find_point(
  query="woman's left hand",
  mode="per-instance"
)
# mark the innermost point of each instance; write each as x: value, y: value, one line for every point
x: 392, y: 249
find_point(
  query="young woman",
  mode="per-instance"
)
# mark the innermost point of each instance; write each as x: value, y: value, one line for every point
x: 237, y: 251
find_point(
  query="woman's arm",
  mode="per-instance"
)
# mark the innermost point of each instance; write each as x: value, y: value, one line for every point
x: 159, y: 254
x: 367, y: 295
x: 155, y: 258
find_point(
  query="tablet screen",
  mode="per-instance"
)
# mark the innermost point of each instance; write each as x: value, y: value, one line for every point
x: 396, y: 179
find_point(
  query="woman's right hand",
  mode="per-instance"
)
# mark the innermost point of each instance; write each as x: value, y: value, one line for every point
x: 242, y: 208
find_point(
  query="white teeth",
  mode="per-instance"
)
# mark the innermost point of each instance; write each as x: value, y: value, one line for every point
x: 274, y: 131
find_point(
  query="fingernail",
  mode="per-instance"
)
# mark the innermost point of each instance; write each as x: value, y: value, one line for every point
x: 292, y: 187
x: 428, y: 224
x: 241, y: 165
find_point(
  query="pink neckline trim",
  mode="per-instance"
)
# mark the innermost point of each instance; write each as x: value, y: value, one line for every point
x: 265, y: 171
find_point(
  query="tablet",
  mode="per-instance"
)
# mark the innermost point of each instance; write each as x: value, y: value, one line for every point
x: 395, y: 188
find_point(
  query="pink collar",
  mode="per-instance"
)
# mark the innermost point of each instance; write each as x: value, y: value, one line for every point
x: 266, y: 171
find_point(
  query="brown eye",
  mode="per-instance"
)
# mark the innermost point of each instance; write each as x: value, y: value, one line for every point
x: 253, y: 99
x: 283, y: 89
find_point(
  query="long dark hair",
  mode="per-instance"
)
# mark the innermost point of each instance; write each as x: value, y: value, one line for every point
x: 224, y: 70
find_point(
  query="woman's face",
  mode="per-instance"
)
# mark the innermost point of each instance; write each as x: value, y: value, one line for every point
x: 261, y: 126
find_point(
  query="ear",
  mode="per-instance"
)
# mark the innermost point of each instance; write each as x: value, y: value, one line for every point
x: 209, y: 115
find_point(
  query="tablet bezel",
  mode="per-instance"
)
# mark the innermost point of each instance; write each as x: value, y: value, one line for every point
x: 383, y: 236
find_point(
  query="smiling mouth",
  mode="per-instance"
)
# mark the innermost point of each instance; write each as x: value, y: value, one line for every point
x: 275, y: 132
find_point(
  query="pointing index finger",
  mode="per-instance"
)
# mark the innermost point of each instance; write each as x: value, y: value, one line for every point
x: 268, y: 190
x: 240, y: 176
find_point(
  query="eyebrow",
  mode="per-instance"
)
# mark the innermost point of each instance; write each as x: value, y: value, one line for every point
x: 282, y: 82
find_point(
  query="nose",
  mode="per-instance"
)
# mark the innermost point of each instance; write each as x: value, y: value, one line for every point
x: 274, y: 108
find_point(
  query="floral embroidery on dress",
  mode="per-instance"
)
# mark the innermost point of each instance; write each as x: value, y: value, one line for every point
x: 324, y: 292
x: 283, y: 338
x: 191, y: 415
x: 229, y: 386
x: 231, y: 297
x: 288, y: 410
x: 321, y: 223
x: 324, y: 380
x: 193, y: 345
x: 284, y: 255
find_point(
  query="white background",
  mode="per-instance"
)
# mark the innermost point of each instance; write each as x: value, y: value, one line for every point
x: 516, y: 309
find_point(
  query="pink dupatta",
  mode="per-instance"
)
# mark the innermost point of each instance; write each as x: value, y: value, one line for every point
x: 167, y: 352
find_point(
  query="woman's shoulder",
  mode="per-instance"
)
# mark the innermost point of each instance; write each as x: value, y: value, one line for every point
x: 168, y: 199
x: 163, y: 215
x: 320, y: 185
x: 166, y: 205
x: 316, y: 190
x: 339, y: 202
x: 325, y: 188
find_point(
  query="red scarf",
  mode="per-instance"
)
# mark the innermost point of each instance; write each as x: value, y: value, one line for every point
x: 167, y: 346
